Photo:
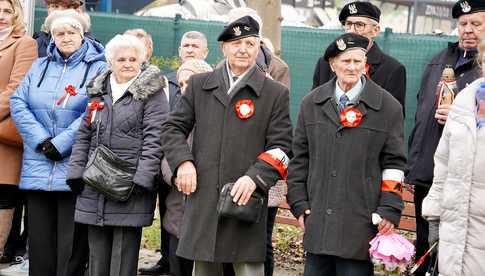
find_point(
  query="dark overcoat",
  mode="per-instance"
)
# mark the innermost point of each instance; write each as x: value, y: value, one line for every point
x: 131, y: 128
x: 336, y: 171
x: 426, y: 133
x: 225, y: 148
x: 384, y: 70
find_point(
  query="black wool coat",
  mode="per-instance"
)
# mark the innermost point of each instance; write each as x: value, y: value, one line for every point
x: 131, y: 128
x: 384, y: 70
x: 336, y: 171
x: 225, y: 148
x: 426, y: 132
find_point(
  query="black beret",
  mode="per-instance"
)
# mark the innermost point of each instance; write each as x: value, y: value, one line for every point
x: 467, y: 6
x: 243, y: 27
x: 345, y: 42
x: 364, y: 9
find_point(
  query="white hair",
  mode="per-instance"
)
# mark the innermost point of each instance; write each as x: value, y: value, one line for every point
x: 122, y: 42
x: 61, y: 18
x: 237, y: 13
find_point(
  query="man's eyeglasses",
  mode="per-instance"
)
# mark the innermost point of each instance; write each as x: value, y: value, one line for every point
x: 358, y: 25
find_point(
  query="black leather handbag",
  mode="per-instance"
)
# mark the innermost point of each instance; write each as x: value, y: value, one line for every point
x: 251, y: 212
x: 109, y: 174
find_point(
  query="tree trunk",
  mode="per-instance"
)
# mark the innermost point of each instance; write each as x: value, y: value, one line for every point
x: 270, y: 12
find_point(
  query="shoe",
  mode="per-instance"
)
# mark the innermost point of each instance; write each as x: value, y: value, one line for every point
x: 16, y: 269
x: 157, y: 269
x: 5, y: 259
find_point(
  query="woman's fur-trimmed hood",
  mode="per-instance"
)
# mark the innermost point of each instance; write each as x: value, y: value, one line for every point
x: 146, y: 84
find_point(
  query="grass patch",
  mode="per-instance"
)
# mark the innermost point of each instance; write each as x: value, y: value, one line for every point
x: 151, y: 236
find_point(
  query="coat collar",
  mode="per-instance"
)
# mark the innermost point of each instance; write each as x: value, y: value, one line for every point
x: 374, y: 55
x: 254, y: 79
x: 14, y: 36
x: 147, y: 83
x: 371, y: 94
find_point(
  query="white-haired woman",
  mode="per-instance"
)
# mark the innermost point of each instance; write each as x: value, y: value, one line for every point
x: 128, y: 122
x: 47, y: 109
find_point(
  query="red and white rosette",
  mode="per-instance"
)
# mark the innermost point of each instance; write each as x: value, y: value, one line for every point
x: 69, y: 90
x: 277, y: 159
x: 244, y: 109
x: 351, y: 117
x: 93, y: 107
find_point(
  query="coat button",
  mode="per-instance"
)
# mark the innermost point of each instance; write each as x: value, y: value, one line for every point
x: 334, y: 173
x: 339, y: 134
x: 329, y: 211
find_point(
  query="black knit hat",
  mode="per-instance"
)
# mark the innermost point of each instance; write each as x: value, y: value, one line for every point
x: 364, y: 9
x: 467, y: 6
x: 345, y: 42
x: 243, y: 27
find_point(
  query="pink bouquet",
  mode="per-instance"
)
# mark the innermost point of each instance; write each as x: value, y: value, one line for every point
x: 391, y: 250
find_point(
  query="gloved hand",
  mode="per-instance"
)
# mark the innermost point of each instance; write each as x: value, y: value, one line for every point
x: 49, y: 150
x: 434, y: 234
x: 76, y: 185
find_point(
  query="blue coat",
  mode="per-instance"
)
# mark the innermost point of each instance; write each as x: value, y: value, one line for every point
x: 38, y: 117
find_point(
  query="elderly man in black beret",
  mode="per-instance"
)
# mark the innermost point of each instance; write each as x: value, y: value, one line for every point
x: 348, y: 164
x: 363, y: 18
x: 242, y: 135
x: 430, y: 118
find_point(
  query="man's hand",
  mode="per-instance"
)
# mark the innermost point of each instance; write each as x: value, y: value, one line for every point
x: 186, y: 180
x: 242, y: 190
x: 301, y: 220
x: 385, y: 227
x: 442, y: 113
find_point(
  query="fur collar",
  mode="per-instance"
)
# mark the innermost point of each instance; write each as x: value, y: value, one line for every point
x: 147, y: 83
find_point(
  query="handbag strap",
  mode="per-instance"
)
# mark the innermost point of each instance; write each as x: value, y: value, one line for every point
x: 98, y: 125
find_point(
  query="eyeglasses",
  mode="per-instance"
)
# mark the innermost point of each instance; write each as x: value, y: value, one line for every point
x: 358, y: 25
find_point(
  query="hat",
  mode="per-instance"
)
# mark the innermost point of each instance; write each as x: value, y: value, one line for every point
x: 467, y: 6
x: 364, y: 9
x: 345, y: 42
x: 243, y: 27
x: 60, y: 18
x: 194, y: 65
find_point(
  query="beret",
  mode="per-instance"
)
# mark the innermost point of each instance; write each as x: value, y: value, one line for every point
x: 243, y: 27
x: 345, y: 42
x: 364, y: 9
x: 467, y: 6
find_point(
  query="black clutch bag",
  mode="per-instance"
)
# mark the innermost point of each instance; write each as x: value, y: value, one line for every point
x: 109, y: 174
x: 251, y: 212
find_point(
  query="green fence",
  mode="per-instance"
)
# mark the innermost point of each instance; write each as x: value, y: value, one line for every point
x: 301, y: 47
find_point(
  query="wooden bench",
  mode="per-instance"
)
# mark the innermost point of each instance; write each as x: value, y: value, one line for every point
x: 408, y: 221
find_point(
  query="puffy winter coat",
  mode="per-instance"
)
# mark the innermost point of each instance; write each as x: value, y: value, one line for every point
x: 457, y: 195
x: 38, y: 116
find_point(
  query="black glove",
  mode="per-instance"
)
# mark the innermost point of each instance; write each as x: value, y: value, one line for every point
x: 49, y: 150
x: 434, y: 233
x: 76, y: 185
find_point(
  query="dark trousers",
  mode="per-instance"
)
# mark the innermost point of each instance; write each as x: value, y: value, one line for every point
x: 17, y: 240
x: 178, y: 266
x: 422, y: 231
x: 326, y: 265
x: 113, y: 250
x: 163, y: 191
x: 269, y: 259
x: 57, y: 245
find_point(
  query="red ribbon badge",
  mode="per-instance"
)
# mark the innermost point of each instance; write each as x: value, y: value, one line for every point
x: 69, y: 90
x: 351, y: 117
x: 93, y: 107
x: 244, y: 109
